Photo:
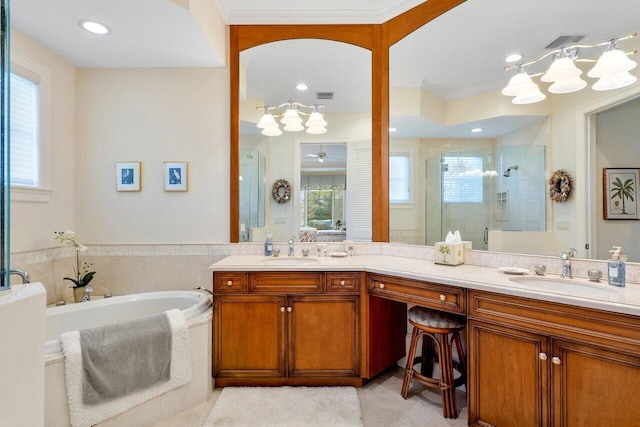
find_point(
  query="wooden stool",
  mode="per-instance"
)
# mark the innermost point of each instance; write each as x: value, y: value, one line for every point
x: 437, y: 326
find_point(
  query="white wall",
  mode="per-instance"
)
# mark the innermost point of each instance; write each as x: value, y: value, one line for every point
x: 152, y: 116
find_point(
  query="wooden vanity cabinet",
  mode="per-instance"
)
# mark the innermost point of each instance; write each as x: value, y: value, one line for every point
x: 536, y: 363
x: 288, y: 328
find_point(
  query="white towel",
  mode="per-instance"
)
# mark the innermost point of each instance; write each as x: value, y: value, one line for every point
x: 87, y: 415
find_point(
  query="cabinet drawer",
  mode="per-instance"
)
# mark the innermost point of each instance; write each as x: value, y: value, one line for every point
x: 230, y: 283
x: 286, y: 282
x: 343, y: 282
x: 426, y: 294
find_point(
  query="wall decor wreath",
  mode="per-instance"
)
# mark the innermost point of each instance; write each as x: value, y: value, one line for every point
x: 281, y: 191
x: 559, y: 186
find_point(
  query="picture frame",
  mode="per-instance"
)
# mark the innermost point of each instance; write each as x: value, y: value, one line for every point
x: 128, y: 176
x: 175, y: 176
x: 620, y: 187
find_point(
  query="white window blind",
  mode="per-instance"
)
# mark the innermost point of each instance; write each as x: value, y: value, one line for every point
x: 24, y: 131
x: 462, y: 180
x: 398, y: 178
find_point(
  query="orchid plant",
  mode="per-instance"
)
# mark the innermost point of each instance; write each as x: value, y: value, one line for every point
x: 83, y: 276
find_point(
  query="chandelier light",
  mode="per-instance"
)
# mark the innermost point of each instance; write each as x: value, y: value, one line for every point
x: 290, y: 112
x: 611, y: 70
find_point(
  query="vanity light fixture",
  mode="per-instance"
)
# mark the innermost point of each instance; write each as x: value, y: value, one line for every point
x: 94, y: 27
x: 611, y: 70
x: 316, y: 125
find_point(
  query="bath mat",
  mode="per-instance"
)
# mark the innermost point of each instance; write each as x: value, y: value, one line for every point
x: 286, y: 406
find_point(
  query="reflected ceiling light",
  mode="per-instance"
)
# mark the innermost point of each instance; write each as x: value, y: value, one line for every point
x: 612, y: 70
x: 302, y: 86
x: 393, y: 129
x: 476, y: 130
x: 513, y: 58
x: 94, y: 27
x: 316, y: 124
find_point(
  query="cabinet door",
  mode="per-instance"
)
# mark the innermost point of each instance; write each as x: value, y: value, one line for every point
x: 508, y: 376
x: 594, y: 386
x: 249, y: 336
x: 323, y: 336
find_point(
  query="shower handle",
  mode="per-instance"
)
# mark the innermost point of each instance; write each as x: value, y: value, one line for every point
x: 486, y: 235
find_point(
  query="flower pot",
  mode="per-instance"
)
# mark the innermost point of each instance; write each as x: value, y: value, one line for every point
x: 77, y: 293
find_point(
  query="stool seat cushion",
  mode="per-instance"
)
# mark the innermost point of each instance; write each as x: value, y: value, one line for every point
x: 434, y: 319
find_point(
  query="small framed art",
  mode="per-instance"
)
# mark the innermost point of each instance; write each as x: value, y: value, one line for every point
x: 128, y: 176
x: 620, y: 186
x: 175, y: 176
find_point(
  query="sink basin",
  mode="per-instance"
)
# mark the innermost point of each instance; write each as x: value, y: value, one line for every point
x: 567, y: 286
x: 290, y: 260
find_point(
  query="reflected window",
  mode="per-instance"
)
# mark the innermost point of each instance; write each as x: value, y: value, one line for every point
x: 322, y: 201
x: 25, y: 131
x: 462, y: 179
x: 399, y: 178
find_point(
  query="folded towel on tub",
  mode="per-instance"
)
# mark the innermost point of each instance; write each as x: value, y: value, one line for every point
x: 97, y: 391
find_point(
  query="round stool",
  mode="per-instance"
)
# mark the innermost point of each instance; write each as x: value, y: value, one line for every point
x: 438, y: 326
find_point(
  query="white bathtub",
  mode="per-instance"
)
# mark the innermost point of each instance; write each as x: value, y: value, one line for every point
x: 197, y: 310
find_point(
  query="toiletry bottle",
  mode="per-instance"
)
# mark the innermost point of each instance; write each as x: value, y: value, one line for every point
x: 268, y: 245
x: 616, y: 267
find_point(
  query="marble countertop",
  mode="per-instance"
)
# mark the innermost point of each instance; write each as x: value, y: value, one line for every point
x: 576, y: 291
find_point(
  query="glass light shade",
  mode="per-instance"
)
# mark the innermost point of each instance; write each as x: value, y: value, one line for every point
x: 272, y: 131
x: 612, y: 62
x: 519, y: 84
x: 615, y: 81
x: 294, y: 127
x: 562, y: 68
x: 291, y: 116
x: 267, y: 121
x: 316, y: 130
x: 573, y: 84
x: 530, y: 97
x: 316, y: 119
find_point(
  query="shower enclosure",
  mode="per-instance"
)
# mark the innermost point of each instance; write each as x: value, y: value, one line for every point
x: 479, y: 190
x: 252, y: 191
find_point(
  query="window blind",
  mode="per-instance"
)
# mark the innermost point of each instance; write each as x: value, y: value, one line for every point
x: 462, y: 180
x: 24, y: 131
x: 398, y: 178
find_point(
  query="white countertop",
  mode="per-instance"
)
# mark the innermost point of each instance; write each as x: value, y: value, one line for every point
x: 577, y: 291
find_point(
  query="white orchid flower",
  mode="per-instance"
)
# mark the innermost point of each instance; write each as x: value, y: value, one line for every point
x: 80, y: 247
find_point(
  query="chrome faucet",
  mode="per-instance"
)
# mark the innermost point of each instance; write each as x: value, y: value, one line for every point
x: 86, y: 294
x: 291, y: 245
x: 21, y: 273
x: 566, y: 262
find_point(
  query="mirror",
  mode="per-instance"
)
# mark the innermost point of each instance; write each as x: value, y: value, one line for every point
x: 444, y: 84
x: 328, y: 174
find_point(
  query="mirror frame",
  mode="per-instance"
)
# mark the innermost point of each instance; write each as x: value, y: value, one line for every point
x: 377, y: 38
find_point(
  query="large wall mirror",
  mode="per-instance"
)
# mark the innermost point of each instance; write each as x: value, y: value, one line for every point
x: 464, y: 157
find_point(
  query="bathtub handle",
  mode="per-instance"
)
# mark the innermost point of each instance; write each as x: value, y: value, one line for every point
x: 200, y: 288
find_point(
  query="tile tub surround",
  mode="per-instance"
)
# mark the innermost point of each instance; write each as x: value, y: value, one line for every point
x: 125, y: 269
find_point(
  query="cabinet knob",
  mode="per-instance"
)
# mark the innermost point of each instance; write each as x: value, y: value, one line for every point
x: 289, y: 309
x: 282, y: 309
x: 229, y: 282
x: 342, y: 282
x: 443, y: 298
x: 556, y: 360
x: 543, y: 356
x: 381, y: 285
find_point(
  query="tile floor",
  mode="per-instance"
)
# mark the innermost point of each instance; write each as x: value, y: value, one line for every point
x: 381, y: 403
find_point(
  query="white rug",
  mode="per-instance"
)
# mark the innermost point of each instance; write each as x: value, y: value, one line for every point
x: 286, y: 406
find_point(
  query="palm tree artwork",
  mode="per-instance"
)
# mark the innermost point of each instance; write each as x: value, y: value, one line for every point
x: 623, y: 190
x: 444, y: 251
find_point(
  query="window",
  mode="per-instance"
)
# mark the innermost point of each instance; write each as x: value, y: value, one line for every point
x: 462, y: 180
x: 24, y: 131
x: 399, y: 178
x: 322, y: 201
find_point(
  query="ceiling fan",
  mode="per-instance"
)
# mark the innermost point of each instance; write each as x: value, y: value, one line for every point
x: 320, y: 155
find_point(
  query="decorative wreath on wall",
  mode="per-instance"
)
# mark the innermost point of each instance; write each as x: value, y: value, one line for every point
x: 281, y: 191
x: 559, y: 186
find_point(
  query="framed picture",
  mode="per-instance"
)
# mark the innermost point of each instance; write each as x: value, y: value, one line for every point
x: 128, y: 176
x: 620, y: 193
x: 175, y: 176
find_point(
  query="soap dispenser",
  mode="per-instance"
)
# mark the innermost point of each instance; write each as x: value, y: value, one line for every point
x: 616, y: 268
x: 268, y: 245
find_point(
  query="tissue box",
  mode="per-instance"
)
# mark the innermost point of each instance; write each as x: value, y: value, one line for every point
x: 449, y: 253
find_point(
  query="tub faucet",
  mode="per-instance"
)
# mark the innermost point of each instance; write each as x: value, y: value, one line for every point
x: 23, y: 274
x: 291, y: 245
x: 566, y: 263
x: 86, y: 294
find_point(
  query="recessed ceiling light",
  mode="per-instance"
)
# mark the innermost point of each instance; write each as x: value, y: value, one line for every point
x: 513, y: 58
x: 94, y: 27
x: 393, y: 129
x: 302, y: 86
x: 475, y: 130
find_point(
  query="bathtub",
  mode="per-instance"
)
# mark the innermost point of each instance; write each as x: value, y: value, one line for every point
x: 197, y: 310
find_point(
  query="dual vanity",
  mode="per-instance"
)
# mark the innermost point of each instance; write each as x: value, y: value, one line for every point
x: 542, y: 351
